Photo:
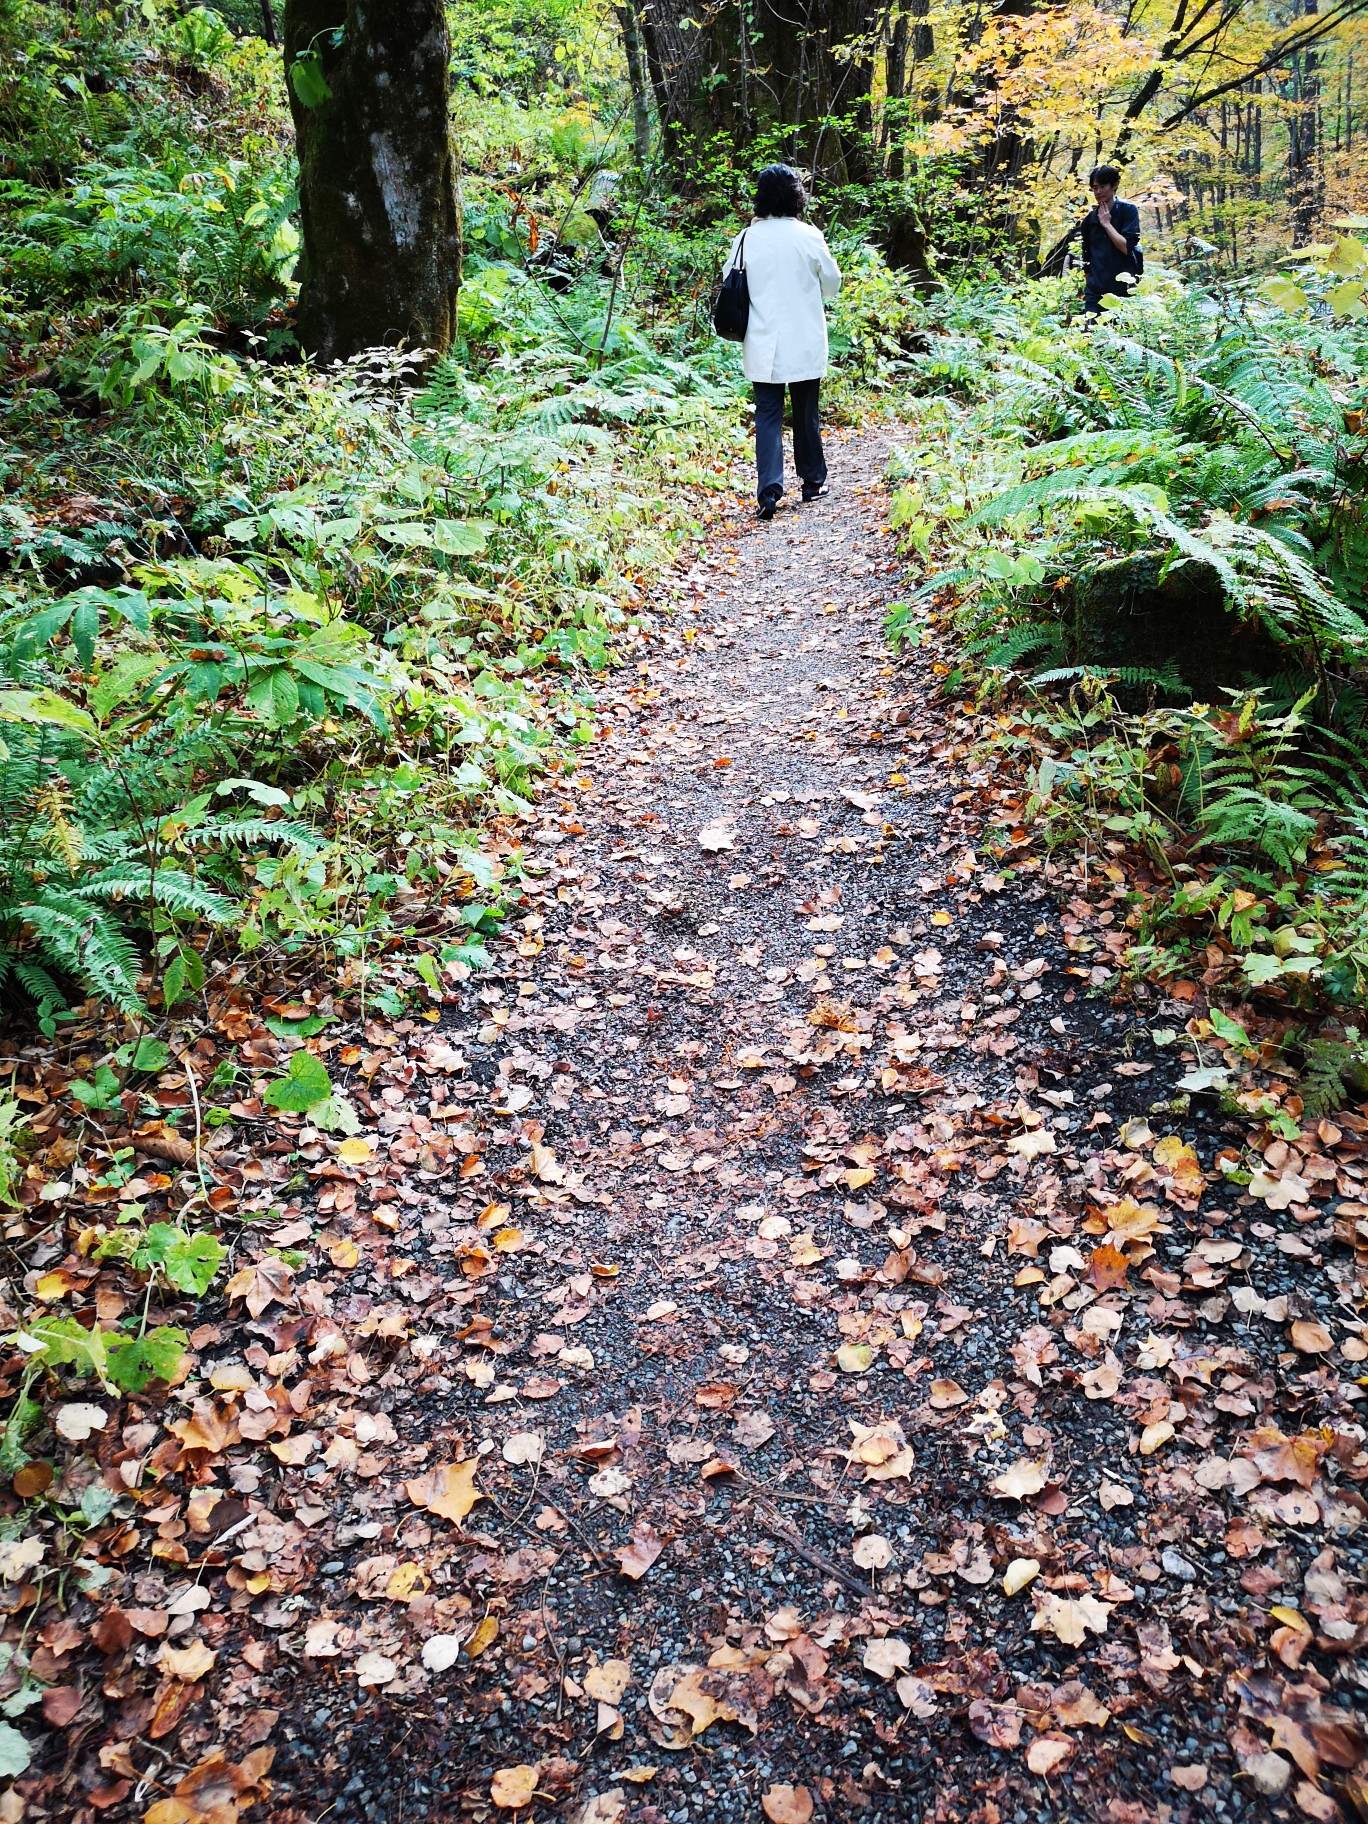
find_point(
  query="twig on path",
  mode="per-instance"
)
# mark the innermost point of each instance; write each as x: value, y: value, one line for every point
x: 584, y: 1539
x: 781, y: 1494
x: 778, y: 1529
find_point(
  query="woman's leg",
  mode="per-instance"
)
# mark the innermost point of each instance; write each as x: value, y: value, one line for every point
x: 807, y: 434
x: 769, y: 441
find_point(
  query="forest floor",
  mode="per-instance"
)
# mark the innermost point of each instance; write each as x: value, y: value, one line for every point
x: 731, y: 1400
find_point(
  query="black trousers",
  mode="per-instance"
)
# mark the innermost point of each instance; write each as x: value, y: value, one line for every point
x: 769, y: 436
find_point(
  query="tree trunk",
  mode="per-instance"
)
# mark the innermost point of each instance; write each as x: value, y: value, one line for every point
x: 381, y: 260
x: 636, y: 77
x: 1303, y: 140
x: 774, y: 71
x: 268, y: 29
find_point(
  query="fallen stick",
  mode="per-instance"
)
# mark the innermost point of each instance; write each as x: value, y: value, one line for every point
x: 776, y: 1528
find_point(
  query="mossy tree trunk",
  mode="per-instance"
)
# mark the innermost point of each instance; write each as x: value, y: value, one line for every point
x: 381, y: 259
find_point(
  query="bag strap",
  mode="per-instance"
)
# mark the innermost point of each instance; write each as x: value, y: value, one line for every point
x: 740, y: 265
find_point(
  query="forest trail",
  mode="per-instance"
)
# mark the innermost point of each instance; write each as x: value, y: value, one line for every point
x: 770, y: 1073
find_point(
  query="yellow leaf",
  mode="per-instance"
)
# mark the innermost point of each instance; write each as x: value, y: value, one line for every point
x: 1153, y: 1436
x: 449, y: 1490
x: 512, y: 1787
x: 941, y: 918
x: 187, y: 1663
x: 354, y: 1151
x: 854, y: 1358
x: 1290, y: 1618
x: 508, y: 1241
x: 1020, y: 1572
x: 407, y: 1580
x: 486, y: 1633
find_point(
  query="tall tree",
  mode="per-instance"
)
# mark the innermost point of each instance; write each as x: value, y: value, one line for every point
x: 636, y: 79
x: 381, y: 221
x: 794, y: 74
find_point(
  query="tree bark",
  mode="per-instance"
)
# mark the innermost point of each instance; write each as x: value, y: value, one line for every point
x: 268, y: 25
x: 794, y: 74
x: 636, y: 78
x: 381, y: 258
x: 1303, y: 141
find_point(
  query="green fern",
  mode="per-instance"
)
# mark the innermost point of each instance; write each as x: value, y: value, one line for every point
x: 1334, y: 1074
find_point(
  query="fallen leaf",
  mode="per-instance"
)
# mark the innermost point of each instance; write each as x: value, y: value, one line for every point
x: 187, y: 1663
x: 513, y: 1787
x: 945, y: 1394
x: 872, y: 1552
x: 441, y: 1651
x: 606, y: 1683
x: 1019, y: 1573
x: 76, y: 1421
x: 787, y: 1804
x: 448, y: 1491
x: 1025, y: 1477
x: 524, y: 1447
x: 1047, y: 1753
x: 887, y: 1657
x: 1311, y: 1338
x: 1155, y: 1436
x: 376, y: 1669
x: 641, y: 1550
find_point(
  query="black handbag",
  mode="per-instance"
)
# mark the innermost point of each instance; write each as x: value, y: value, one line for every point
x: 731, y: 312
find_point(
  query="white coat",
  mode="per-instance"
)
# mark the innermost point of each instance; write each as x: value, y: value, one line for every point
x: 789, y: 270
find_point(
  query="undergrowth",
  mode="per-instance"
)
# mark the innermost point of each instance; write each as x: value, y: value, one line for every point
x: 1151, y: 541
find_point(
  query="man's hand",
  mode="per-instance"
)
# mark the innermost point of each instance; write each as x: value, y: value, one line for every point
x: 1104, y: 214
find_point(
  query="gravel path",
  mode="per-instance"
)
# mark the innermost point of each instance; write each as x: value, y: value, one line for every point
x: 788, y: 1115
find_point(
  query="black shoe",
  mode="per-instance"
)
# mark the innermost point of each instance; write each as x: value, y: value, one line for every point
x: 767, y: 506
x: 815, y: 493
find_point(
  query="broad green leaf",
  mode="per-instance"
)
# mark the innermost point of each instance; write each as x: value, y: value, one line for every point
x: 188, y: 1261
x: 307, y: 1028
x: 64, y: 1343
x: 136, y: 1360
x: 149, y: 1054
x: 308, y: 81
x: 304, y: 1085
x: 45, y: 706
x: 408, y: 533
x: 120, y: 681
x: 460, y: 537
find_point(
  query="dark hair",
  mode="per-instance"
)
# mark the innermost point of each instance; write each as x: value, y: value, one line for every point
x: 779, y: 191
x: 1104, y: 174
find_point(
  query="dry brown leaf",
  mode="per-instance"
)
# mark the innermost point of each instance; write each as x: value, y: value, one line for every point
x: 1048, y: 1753
x: 640, y: 1551
x: 1310, y: 1337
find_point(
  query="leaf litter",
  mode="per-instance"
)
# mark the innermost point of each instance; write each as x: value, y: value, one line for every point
x: 780, y: 1331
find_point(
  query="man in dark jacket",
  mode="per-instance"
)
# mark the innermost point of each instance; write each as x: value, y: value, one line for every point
x: 1111, y: 235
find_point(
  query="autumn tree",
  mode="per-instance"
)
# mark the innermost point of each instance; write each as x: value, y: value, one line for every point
x: 379, y: 209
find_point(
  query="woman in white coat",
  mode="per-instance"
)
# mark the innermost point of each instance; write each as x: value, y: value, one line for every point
x: 789, y: 271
